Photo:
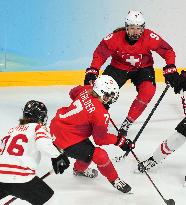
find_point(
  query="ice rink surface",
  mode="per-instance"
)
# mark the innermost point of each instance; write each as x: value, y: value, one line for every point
x: 71, y: 190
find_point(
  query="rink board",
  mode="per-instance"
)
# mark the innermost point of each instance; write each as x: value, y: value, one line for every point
x: 44, y: 78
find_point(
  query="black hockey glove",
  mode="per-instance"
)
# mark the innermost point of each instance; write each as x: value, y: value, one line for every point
x: 60, y: 163
x: 183, y: 80
x: 125, y: 144
x: 172, y: 77
x: 90, y: 75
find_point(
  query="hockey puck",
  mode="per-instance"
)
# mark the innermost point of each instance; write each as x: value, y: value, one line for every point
x: 170, y: 202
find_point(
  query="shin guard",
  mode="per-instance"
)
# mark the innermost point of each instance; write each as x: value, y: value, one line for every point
x: 104, y: 165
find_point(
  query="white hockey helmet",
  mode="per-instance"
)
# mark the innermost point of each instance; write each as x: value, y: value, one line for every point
x: 107, y: 88
x: 134, y: 18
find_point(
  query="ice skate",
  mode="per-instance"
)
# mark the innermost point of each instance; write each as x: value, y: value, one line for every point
x: 146, y: 165
x: 89, y: 172
x: 121, y: 185
x: 184, y: 183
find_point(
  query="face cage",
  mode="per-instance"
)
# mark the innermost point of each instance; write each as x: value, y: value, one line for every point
x: 134, y: 37
x: 108, y: 97
x: 115, y: 98
x: 43, y: 118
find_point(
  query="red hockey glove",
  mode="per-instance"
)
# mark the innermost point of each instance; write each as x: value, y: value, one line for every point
x: 172, y: 77
x: 90, y: 75
x: 125, y: 144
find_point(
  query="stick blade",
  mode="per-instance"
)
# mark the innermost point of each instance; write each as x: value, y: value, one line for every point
x: 170, y: 202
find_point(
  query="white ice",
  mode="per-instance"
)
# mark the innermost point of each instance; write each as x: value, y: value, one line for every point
x: 71, y: 190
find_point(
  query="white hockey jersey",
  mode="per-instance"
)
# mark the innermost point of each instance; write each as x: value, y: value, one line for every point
x: 21, y: 152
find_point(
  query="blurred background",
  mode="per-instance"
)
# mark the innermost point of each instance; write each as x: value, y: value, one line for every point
x: 42, y: 35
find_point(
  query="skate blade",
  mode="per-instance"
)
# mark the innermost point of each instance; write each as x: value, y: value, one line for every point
x: 153, y: 171
x: 130, y: 193
x: 136, y: 171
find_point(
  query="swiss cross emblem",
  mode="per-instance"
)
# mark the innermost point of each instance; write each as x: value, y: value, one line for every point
x: 134, y: 60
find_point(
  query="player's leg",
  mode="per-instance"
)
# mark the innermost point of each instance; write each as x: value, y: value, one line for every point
x: 85, y: 152
x: 82, y: 152
x: 36, y: 191
x: 144, y: 80
x: 107, y: 169
x: 167, y: 147
x: 3, y: 193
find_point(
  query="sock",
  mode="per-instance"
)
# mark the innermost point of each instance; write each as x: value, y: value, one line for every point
x: 80, y: 165
x: 168, y: 146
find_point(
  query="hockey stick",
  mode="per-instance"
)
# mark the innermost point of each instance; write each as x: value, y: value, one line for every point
x: 183, y: 103
x: 43, y: 177
x: 117, y: 159
x: 169, y: 201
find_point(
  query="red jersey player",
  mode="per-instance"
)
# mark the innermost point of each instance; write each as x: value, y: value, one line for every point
x: 20, y: 155
x: 86, y: 116
x: 131, y: 58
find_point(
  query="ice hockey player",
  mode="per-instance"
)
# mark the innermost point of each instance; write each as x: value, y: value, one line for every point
x: 173, y: 142
x: 21, y: 152
x: 131, y: 58
x: 86, y: 116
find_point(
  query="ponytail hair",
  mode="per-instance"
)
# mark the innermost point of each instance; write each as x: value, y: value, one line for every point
x: 119, y: 29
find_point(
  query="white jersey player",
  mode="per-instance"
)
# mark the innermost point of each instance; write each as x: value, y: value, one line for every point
x: 20, y: 155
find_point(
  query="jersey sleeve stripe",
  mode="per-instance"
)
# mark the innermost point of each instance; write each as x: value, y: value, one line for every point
x: 16, y: 173
x: 15, y: 166
x: 16, y: 170
x: 39, y: 137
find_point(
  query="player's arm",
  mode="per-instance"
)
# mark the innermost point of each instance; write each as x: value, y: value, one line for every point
x: 120, y: 141
x: 100, y: 120
x: 166, y: 52
x: 44, y: 143
x: 100, y: 55
x: 102, y: 137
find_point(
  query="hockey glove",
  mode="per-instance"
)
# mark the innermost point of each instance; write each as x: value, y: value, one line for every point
x: 172, y: 77
x: 183, y: 80
x: 125, y: 144
x: 90, y: 75
x: 60, y: 163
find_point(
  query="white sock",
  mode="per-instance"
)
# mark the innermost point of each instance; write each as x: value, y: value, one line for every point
x: 168, y: 146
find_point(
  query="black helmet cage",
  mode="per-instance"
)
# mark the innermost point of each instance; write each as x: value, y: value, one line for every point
x: 35, y: 111
x: 114, y: 97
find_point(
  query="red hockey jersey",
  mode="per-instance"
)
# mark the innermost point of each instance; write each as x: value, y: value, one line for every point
x: 132, y: 57
x: 85, y: 116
